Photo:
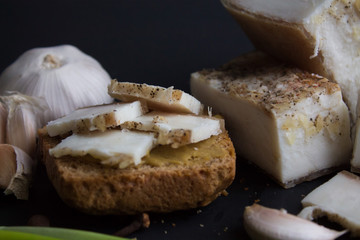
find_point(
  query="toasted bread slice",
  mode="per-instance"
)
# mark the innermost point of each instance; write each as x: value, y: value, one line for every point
x: 292, y: 124
x: 168, y: 179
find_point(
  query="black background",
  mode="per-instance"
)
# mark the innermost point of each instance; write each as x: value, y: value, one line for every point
x: 156, y: 42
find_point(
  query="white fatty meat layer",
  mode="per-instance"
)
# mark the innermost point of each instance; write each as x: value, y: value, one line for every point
x: 113, y: 147
x: 121, y: 112
x: 176, y: 129
x: 312, y: 135
x: 156, y: 97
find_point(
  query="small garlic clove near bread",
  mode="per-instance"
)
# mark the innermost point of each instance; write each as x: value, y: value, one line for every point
x: 292, y: 124
x: 16, y: 171
x: 321, y: 36
x: 156, y: 97
x: 338, y: 199
x: 166, y: 180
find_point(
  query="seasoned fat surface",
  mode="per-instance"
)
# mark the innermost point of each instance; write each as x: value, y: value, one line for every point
x: 292, y: 124
x: 270, y: 85
x: 156, y: 97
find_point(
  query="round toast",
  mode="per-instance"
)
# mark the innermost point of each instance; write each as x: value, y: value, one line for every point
x: 168, y: 179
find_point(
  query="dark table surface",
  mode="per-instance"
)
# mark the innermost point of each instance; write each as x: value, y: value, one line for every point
x: 156, y: 42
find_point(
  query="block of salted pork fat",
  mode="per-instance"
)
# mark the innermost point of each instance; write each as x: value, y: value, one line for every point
x: 320, y: 36
x: 292, y: 124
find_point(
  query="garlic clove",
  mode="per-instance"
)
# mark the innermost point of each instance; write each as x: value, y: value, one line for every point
x: 8, y: 164
x: 3, y: 120
x: 16, y: 168
x: 25, y: 116
x: 64, y: 76
x: 21, y: 130
x: 266, y: 223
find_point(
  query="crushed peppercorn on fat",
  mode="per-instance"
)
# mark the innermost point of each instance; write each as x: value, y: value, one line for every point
x: 156, y: 97
x: 292, y: 124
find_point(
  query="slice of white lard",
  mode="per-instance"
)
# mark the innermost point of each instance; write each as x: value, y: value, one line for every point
x: 176, y: 129
x: 292, y: 124
x: 156, y: 97
x: 338, y: 199
x: 113, y: 147
x: 98, y: 117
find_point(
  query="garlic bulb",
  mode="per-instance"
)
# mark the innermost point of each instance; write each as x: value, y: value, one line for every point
x: 16, y: 168
x: 63, y: 75
x: 22, y: 116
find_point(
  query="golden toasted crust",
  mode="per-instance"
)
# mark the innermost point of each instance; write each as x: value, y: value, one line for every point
x: 97, y: 189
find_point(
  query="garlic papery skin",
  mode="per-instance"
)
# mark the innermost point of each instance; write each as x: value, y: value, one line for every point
x: 63, y: 75
x: 3, y: 120
x: 16, y: 169
x: 266, y: 223
x: 25, y: 115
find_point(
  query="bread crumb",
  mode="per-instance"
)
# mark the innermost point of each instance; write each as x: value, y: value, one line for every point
x: 225, y: 229
x: 246, y: 188
x: 173, y: 224
x: 224, y: 193
x: 165, y: 232
x: 201, y: 225
x: 145, y: 219
x: 199, y: 211
x: 162, y: 221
